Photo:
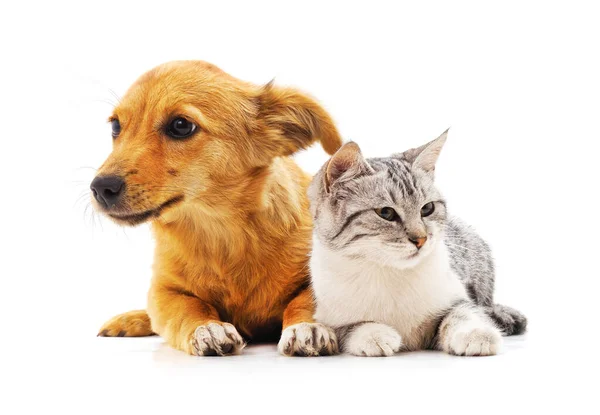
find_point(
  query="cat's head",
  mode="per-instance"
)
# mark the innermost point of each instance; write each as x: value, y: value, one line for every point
x: 385, y: 210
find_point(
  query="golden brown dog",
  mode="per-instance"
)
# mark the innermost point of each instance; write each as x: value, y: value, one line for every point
x: 204, y: 156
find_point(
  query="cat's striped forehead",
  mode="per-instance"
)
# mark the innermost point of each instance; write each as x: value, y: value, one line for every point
x: 381, y: 182
x: 397, y: 177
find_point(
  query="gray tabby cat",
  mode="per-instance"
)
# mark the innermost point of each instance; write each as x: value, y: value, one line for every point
x: 391, y: 270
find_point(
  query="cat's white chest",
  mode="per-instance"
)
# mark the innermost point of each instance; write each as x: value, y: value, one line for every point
x: 349, y: 292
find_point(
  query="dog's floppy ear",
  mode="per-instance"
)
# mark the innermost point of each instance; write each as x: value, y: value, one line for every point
x: 291, y: 121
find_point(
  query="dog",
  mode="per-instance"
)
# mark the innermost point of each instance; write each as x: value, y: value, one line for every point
x: 204, y: 157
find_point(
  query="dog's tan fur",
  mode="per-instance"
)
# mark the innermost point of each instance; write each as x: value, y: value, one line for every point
x: 232, y: 242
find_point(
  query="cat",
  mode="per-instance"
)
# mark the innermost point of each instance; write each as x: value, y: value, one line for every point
x: 391, y: 270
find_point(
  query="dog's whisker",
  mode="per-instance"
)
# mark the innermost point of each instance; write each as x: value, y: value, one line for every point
x: 105, y: 101
x: 114, y: 94
x: 218, y: 225
x: 85, y: 211
x: 100, y: 222
x: 79, y: 200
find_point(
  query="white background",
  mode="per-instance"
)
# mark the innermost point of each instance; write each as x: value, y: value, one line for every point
x: 519, y: 84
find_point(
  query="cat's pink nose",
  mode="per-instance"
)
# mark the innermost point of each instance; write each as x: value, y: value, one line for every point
x: 418, y: 241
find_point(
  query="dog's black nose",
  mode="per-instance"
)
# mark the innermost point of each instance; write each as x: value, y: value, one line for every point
x: 107, y: 190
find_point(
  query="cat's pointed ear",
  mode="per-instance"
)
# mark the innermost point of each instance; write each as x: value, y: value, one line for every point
x: 348, y: 161
x: 425, y: 156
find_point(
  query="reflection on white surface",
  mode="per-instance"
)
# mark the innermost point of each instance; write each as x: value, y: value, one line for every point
x: 128, y: 375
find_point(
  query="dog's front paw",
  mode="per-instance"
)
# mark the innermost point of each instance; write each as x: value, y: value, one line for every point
x: 216, y: 339
x: 308, y: 339
x: 132, y: 324
x: 373, y: 339
x: 481, y: 341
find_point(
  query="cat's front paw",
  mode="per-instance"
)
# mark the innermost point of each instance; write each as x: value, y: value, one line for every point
x: 373, y: 339
x: 481, y: 341
x: 216, y: 339
x: 308, y: 339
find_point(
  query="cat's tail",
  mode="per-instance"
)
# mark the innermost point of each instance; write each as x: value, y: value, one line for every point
x: 510, y: 321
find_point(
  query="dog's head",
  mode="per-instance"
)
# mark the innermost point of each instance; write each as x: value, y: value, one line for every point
x: 186, y: 131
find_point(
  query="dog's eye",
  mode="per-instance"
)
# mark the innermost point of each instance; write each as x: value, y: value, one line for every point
x: 180, y: 128
x: 427, y: 209
x: 387, y: 213
x: 116, y: 128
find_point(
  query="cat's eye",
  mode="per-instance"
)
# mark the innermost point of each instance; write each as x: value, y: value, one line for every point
x: 180, y: 128
x: 427, y: 209
x: 116, y: 128
x: 387, y: 213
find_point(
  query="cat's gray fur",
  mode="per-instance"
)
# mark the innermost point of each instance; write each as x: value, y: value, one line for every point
x: 343, y: 217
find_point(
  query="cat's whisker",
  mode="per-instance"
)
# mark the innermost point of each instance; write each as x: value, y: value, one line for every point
x: 394, y: 283
x: 451, y: 245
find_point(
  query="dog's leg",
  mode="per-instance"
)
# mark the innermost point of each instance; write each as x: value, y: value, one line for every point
x: 131, y: 324
x: 189, y: 324
x: 301, y: 336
